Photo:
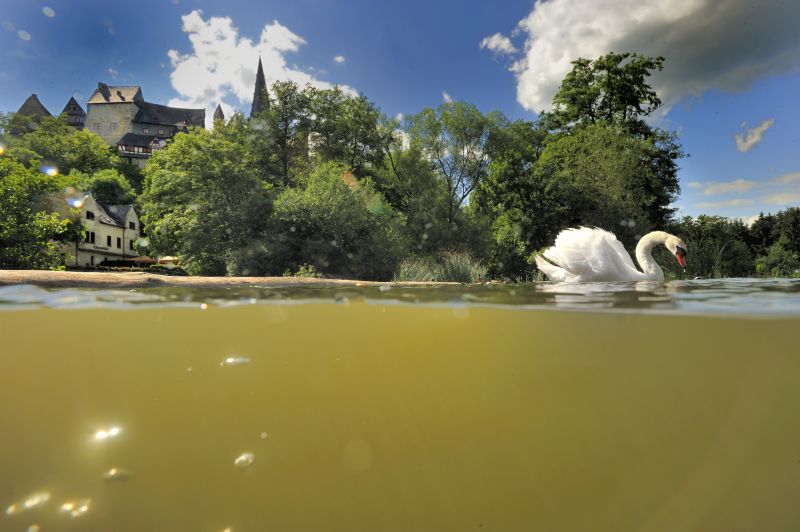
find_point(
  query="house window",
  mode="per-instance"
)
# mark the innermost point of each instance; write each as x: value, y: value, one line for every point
x: 132, y: 225
x: 160, y: 131
x: 130, y: 243
x: 91, y: 259
x: 145, y: 130
x: 119, y: 242
x: 112, y: 126
x: 89, y: 215
x: 90, y: 237
x: 108, y: 240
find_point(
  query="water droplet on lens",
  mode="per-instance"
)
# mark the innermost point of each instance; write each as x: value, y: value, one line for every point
x: 203, y: 306
x: 263, y: 435
x: 244, y: 461
x: 235, y: 361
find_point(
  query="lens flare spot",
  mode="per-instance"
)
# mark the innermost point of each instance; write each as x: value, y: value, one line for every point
x: 142, y: 242
x: 2, y: 149
x: 116, y: 474
x: 24, y: 35
x: 52, y: 171
x: 49, y: 12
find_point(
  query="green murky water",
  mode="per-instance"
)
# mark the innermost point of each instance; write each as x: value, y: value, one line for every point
x: 649, y: 407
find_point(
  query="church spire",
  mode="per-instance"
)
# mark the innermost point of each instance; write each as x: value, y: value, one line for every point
x: 260, y: 97
x: 218, y: 114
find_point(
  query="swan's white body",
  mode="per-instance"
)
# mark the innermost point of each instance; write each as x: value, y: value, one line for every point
x: 594, y: 255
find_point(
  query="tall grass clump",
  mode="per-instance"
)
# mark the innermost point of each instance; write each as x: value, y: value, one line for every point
x: 449, y: 266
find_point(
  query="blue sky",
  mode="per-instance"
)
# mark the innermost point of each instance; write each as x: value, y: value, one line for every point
x: 731, y: 69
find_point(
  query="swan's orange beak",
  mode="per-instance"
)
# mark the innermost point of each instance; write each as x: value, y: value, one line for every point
x: 679, y: 254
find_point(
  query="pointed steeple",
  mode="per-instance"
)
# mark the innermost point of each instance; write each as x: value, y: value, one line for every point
x: 260, y: 98
x: 218, y: 114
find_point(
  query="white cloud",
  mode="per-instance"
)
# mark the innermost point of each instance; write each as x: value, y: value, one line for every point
x: 782, y: 198
x: 707, y: 44
x: 499, y: 44
x: 221, y: 67
x: 750, y: 220
x: 754, y: 135
x: 113, y: 73
x: 446, y: 97
x: 399, y: 117
x: 695, y: 185
x: 340, y: 59
x: 739, y: 185
x: 740, y: 202
x: 787, y: 179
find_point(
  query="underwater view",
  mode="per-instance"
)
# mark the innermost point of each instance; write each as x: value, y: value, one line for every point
x: 597, y: 407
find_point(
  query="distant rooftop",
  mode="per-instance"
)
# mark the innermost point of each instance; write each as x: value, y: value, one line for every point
x: 33, y: 107
x: 116, y: 94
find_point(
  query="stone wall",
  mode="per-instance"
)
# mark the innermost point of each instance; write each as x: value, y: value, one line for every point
x: 111, y: 120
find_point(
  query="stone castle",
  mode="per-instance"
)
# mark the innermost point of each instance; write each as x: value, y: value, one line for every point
x: 136, y: 128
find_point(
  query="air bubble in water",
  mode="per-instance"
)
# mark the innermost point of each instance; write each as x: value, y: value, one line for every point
x: 116, y: 474
x: 235, y: 361
x: 31, y: 501
x: 75, y: 508
x: 244, y: 460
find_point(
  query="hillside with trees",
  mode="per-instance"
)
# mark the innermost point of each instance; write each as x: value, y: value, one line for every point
x: 323, y: 183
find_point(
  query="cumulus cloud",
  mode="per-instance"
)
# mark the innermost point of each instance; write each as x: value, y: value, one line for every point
x: 739, y: 202
x: 340, y: 59
x: 787, y: 179
x: 782, y: 198
x: 221, y: 67
x: 499, y: 44
x: 113, y: 73
x: 728, y: 187
x: 446, y: 97
x: 754, y: 135
x: 708, y: 44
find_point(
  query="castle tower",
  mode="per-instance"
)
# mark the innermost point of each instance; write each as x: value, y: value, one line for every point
x: 260, y: 97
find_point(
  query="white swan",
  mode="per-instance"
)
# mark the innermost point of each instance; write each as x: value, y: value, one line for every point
x: 587, y: 255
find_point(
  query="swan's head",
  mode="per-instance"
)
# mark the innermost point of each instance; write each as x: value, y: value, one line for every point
x: 677, y: 247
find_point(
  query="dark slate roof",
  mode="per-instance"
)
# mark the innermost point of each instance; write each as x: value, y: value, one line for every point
x: 116, y: 94
x: 260, y: 98
x: 153, y: 113
x: 104, y: 217
x: 33, y: 107
x: 73, y: 108
x: 118, y: 212
x: 218, y: 114
x: 134, y: 139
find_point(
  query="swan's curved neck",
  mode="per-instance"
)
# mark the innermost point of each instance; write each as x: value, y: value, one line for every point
x: 644, y: 254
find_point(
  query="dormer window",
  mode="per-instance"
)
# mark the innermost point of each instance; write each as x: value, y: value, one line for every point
x: 160, y: 131
x: 89, y: 215
x: 145, y: 130
x: 132, y: 225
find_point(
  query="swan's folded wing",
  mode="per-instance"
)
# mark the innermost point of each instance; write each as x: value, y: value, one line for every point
x: 592, y: 254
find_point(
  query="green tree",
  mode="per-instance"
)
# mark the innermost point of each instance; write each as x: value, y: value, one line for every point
x: 454, y: 138
x: 67, y: 149
x: 29, y: 227
x: 612, y: 89
x: 338, y: 225
x: 717, y: 247
x: 204, y: 201
x: 780, y: 260
x: 108, y: 187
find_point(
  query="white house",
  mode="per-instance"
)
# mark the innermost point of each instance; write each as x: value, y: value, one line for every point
x: 110, y: 233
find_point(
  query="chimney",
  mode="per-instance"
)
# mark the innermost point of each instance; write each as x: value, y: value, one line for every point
x: 102, y: 88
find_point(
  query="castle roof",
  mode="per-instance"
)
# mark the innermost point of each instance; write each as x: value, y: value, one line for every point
x: 73, y: 108
x: 153, y: 113
x: 33, y: 107
x: 116, y: 94
x: 135, y: 139
x: 260, y: 97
